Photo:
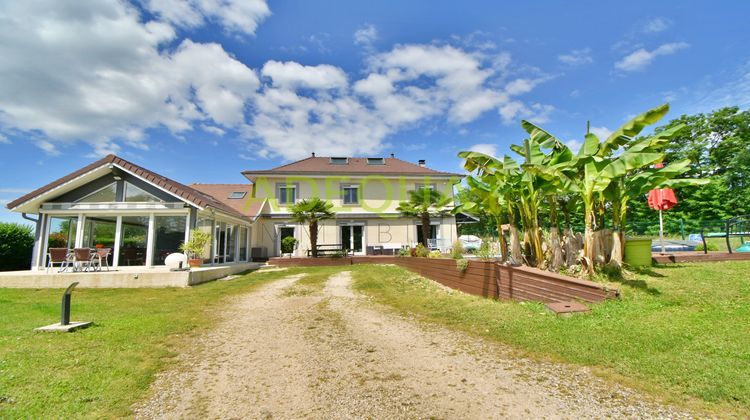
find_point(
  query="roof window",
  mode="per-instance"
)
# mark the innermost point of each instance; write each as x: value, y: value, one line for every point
x: 235, y: 195
x: 339, y: 161
x: 376, y: 161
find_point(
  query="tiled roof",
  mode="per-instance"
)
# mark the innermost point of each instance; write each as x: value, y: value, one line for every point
x: 189, y: 194
x: 355, y: 165
x: 248, y: 206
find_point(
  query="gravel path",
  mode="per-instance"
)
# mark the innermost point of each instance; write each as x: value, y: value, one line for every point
x: 336, y: 355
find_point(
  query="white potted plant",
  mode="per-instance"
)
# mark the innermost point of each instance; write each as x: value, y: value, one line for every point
x: 195, y: 246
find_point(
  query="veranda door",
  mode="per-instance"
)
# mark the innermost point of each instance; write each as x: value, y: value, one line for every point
x: 352, y: 238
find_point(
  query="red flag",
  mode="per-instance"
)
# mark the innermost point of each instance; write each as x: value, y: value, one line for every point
x: 663, y: 199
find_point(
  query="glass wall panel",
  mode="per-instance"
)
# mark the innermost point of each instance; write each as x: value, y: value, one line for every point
x: 62, y: 232
x: 133, y: 241
x: 220, y: 241
x: 205, y: 224
x: 107, y: 194
x: 169, y: 234
x: 99, y: 232
x: 231, y: 242
x: 135, y: 194
x: 243, y: 244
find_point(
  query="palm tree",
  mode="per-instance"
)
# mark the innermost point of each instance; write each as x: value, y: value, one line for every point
x: 311, y: 212
x: 424, y: 203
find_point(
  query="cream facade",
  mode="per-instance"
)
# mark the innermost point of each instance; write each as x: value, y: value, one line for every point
x: 367, y: 220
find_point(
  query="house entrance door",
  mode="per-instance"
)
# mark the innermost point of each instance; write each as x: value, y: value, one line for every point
x: 352, y: 238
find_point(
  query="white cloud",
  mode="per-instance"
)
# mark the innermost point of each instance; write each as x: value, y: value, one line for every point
x: 641, y: 58
x: 213, y: 130
x: 366, y: 35
x: 241, y: 16
x: 121, y: 81
x: 656, y: 25
x: 4, y: 139
x: 576, y: 57
x: 574, y: 145
x: 486, y: 148
x: 601, y: 132
x: 514, y: 111
x: 131, y: 75
x: 293, y: 75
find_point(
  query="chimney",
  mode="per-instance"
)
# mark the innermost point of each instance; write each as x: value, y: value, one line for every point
x: 393, y: 155
x: 422, y: 162
x: 313, y: 154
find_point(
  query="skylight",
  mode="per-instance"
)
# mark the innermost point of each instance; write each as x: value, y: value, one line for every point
x: 375, y: 161
x: 339, y: 161
x: 234, y: 195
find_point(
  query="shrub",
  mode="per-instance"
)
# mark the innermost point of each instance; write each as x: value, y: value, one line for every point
x: 420, y: 251
x: 462, y: 264
x: 711, y: 247
x: 484, y: 252
x: 197, y: 244
x: 16, y: 246
x: 434, y: 254
x: 287, y: 245
x: 404, y: 252
x: 457, y: 251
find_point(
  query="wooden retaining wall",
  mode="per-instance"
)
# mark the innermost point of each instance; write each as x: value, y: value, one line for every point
x: 698, y: 256
x: 481, y: 278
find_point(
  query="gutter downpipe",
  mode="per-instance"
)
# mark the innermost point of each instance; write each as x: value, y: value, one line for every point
x: 31, y: 219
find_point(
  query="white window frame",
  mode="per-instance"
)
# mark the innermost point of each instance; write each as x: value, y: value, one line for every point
x: 356, y: 195
x: 285, y: 196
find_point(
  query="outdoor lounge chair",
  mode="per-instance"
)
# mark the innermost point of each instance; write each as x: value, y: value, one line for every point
x: 58, y: 256
x: 102, y: 256
x: 83, y: 258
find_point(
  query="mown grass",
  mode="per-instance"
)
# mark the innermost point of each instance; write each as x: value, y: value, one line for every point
x: 680, y: 332
x: 100, y: 371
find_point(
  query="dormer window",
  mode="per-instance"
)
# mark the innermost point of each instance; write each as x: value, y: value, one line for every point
x: 375, y: 161
x: 339, y: 161
x: 236, y: 195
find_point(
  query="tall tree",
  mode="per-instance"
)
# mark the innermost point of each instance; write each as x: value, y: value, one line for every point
x: 425, y: 203
x: 312, y: 211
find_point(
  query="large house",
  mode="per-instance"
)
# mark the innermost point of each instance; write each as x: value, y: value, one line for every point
x: 143, y: 216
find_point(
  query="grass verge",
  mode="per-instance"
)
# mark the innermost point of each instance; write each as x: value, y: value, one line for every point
x: 100, y: 371
x: 680, y: 332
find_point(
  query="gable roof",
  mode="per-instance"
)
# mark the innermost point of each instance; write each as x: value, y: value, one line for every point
x: 247, y: 206
x: 355, y: 166
x: 191, y: 195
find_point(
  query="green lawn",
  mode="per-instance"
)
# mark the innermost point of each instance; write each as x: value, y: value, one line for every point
x: 679, y: 331
x: 100, y: 371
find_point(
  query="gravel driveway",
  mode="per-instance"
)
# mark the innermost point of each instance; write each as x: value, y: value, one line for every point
x: 336, y: 355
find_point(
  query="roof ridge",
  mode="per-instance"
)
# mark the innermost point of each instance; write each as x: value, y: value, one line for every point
x: 292, y: 163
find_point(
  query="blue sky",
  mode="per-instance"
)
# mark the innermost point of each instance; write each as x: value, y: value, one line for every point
x: 203, y: 89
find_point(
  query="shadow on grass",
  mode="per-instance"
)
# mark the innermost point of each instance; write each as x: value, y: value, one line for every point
x: 619, y: 276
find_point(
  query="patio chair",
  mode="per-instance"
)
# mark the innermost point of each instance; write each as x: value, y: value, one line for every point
x: 83, y: 258
x: 58, y: 256
x: 102, y: 256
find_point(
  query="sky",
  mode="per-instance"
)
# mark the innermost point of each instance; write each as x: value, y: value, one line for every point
x: 200, y: 90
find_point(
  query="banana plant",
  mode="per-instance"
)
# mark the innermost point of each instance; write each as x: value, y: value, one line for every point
x: 502, y: 178
x: 489, y: 191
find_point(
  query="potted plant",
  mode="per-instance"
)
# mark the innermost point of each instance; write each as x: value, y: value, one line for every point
x: 287, y: 245
x: 195, y: 246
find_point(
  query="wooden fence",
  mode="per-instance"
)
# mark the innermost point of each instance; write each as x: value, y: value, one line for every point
x: 482, y: 278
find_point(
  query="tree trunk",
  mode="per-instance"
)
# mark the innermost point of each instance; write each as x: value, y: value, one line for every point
x: 589, y: 251
x: 501, y: 238
x: 515, y: 246
x: 426, y: 229
x: 314, y: 237
x: 554, y: 237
